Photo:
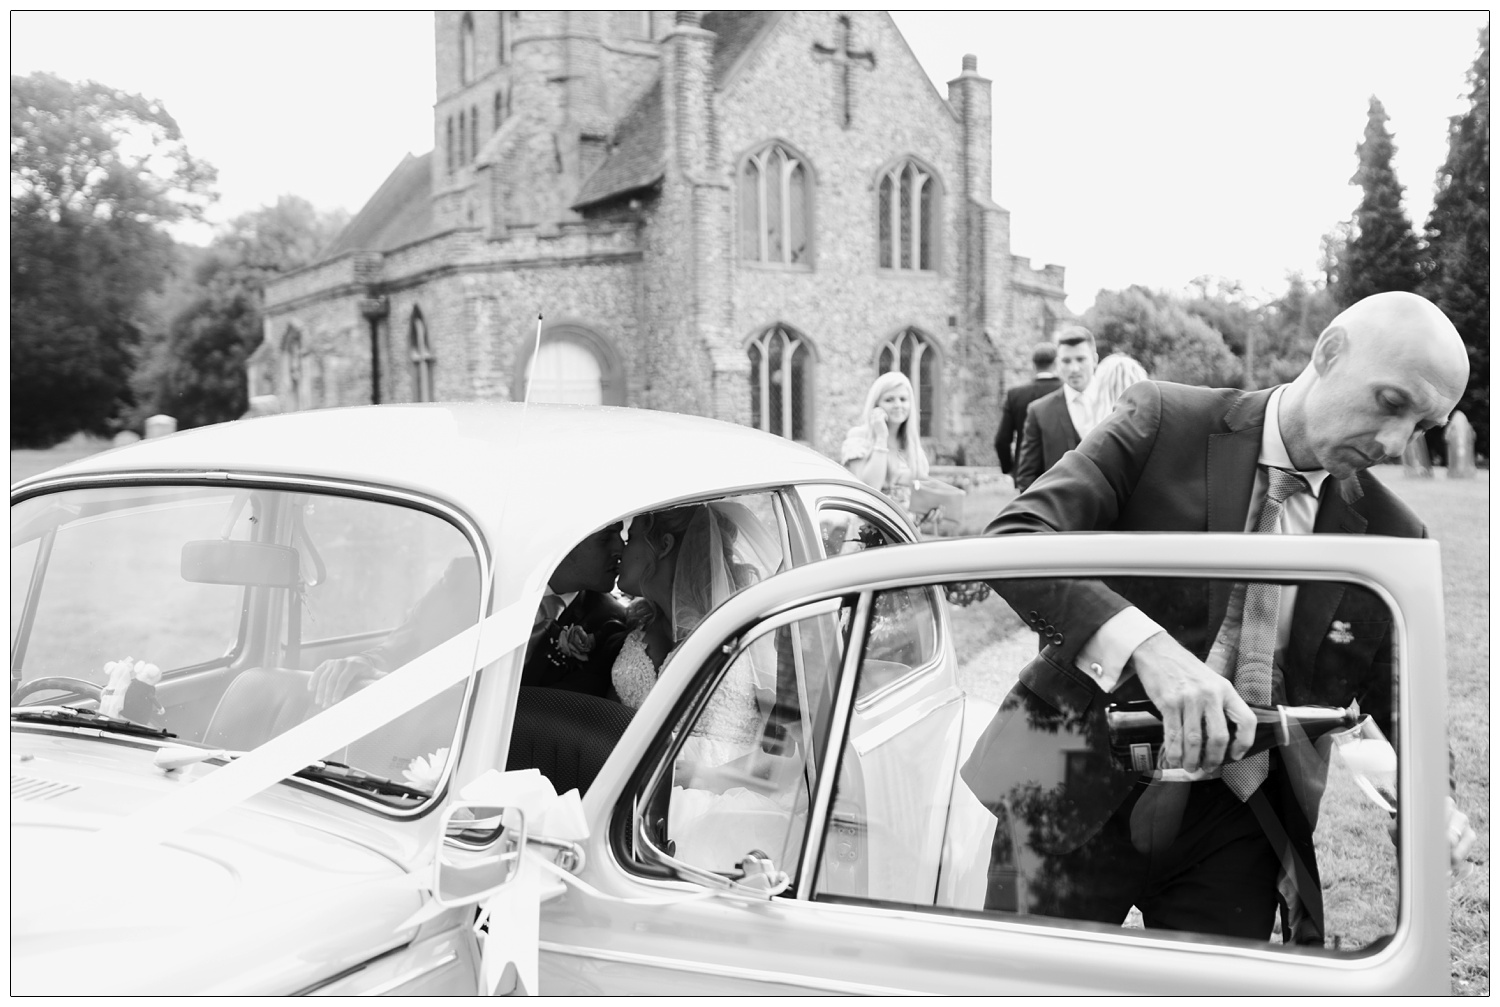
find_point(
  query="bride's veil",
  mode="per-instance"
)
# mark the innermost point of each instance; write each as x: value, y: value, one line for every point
x: 724, y: 550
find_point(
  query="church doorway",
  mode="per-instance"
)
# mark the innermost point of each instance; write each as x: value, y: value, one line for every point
x: 575, y: 366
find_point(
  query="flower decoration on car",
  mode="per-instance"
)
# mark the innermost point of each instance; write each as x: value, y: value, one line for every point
x: 425, y: 770
x: 130, y: 690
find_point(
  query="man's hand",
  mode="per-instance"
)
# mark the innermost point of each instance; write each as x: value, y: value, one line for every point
x: 1461, y: 840
x: 1194, y: 702
x: 335, y: 679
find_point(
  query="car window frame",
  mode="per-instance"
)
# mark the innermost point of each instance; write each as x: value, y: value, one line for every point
x: 259, y: 620
x: 1369, y: 564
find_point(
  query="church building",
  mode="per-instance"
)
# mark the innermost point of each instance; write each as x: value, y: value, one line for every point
x: 744, y: 215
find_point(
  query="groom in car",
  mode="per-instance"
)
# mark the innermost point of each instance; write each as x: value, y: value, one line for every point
x: 578, y: 629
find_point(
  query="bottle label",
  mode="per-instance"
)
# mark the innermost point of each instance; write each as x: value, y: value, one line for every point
x: 1140, y: 758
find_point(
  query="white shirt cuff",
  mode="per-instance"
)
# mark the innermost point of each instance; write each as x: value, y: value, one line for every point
x: 1104, y: 656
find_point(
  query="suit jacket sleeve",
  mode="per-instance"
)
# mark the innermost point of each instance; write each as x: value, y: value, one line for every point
x: 1085, y: 491
x: 1007, y: 434
x: 1029, y: 461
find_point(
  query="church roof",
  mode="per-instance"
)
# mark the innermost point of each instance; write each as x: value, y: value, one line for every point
x: 399, y: 213
x: 638, y: 154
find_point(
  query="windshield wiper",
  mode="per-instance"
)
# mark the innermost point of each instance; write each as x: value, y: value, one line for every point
x: 67, y: 716
x: 357, y: 779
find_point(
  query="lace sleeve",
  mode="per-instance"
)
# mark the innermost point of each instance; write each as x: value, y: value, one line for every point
x: 858, y: 443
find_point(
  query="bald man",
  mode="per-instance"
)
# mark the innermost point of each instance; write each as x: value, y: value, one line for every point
x: 1179, y: 458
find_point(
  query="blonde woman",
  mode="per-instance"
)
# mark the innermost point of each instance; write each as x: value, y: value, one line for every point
x: 884, y: 449
x: 1114, y: 374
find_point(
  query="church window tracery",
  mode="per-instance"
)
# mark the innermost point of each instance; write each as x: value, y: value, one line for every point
x: 775, y: 197
x: 913, y: 354
x: 423, y: 360
x: 908, y: 214
x: 781, y: 364
x: 466, y: 49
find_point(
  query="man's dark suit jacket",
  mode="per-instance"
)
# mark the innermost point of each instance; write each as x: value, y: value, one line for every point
x: 1008, y: 438
x: 577, y: 664
x: 1177, y: 458
x: 1049, y: 435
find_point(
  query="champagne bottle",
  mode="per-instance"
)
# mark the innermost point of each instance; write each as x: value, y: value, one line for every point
x: 1135, y: 729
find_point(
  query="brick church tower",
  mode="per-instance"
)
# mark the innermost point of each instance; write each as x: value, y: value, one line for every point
x: 745, y: 215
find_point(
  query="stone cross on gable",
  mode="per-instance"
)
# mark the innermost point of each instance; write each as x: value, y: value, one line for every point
x: 846, y: 57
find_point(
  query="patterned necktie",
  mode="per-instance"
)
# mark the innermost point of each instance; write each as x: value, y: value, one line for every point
x: 1257, y: 643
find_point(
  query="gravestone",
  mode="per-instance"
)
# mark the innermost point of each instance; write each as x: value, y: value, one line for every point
x: 1459, y: 436
x: 126, y: 437
x: 1415, y: 459
x: 160, y: 425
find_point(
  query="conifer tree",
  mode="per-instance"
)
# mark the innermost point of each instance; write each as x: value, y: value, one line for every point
x: 1458, y: 239
x: 1382, y: 253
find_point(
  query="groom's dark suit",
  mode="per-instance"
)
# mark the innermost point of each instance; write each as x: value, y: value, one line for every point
x: 1171, y: 458
x: 1049, y: 434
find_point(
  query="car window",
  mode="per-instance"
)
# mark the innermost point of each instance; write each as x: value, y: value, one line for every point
x: 742, y: 778
x: 113, y: 585
x: 1041, y: 804
x: 905, y: 622
x: 232, y: 606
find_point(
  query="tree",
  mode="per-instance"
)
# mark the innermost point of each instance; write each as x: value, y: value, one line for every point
x: 96, y: 174
x: 1157, y: 330
x: 1382, y: 253
x: 1458, y: 239
x: 196, y: 369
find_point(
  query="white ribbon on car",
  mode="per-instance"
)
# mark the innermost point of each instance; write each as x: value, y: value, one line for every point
x: 347, y: 721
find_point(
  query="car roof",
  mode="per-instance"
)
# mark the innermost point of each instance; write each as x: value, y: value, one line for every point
x: 573, y: 468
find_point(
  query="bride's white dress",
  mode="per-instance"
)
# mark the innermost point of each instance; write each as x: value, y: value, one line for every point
x: 712, y: 829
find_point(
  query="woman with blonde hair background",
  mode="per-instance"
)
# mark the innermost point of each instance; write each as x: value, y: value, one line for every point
x: 884, y: 448
x: 1112, y: 377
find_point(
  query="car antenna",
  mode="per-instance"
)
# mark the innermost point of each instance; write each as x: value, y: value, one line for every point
x: 535, y: 350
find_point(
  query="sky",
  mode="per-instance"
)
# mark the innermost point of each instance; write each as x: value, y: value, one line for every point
x: 1145, y: 148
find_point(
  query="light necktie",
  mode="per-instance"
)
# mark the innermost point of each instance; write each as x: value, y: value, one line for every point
x: 1257, y: 641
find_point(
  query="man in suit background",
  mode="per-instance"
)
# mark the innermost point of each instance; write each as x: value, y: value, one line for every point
x: 1179, y: 458
x: 576, y: 634
x: 1057, y: 421
x: 1013, y: 412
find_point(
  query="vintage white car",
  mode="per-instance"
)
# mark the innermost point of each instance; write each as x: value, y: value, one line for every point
x: 183, y: 824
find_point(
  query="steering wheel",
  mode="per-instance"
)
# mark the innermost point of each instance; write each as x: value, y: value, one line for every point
x: 77, y: 685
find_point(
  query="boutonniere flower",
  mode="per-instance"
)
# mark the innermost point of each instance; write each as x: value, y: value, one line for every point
x: 1340, y: 632
x: 575, y: 642
x: 424, y: 771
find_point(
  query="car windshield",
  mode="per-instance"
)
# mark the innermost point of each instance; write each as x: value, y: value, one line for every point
x: 226, y: 615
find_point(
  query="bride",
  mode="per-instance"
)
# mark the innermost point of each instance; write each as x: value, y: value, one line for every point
x: 682, y: 563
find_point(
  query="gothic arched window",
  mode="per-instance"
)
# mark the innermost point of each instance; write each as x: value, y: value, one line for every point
x: 499, y: 109
x: 909, y: 214
x: 506, y: 35
x: 463, y: 137
x: 423, y: 360
x: 466, y: 49
x: 781, y: 383
x: 474, y: 133
x: 775, y: 224
x: 916, y: 356
x: 452, y: 161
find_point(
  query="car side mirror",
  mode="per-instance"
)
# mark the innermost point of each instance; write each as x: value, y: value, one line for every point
x: 479, y: 853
